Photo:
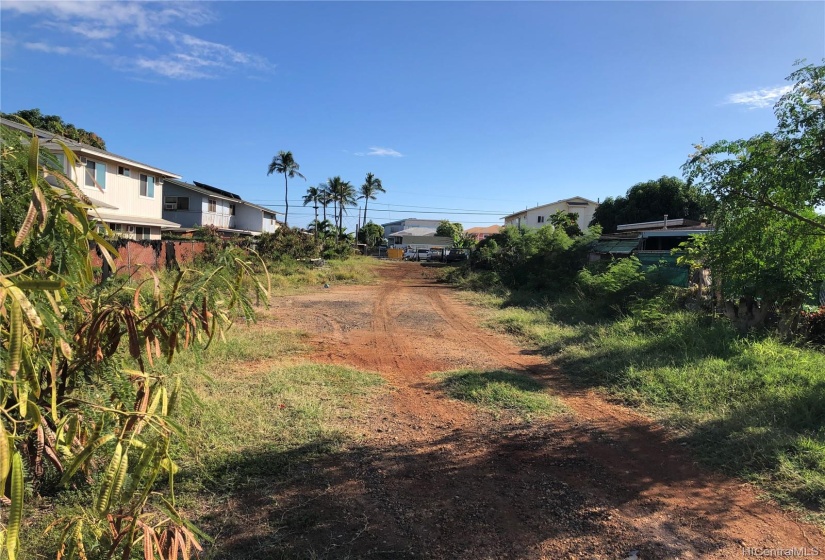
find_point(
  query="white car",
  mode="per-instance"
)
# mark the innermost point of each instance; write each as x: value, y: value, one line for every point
x: 409, y: 254
x: 423, y: 255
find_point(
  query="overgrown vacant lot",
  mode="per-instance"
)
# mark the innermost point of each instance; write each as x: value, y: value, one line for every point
x: 383, y: 421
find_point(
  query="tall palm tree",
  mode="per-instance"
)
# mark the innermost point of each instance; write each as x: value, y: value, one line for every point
x: 324, y: 198
x: 286, y: 164
x: 346, y: 197
x: 313, y: 195
x: 371, y: 187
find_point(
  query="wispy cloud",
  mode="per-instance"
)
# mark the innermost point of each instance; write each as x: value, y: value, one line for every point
x: 46, y: 48
x: 376, y: 151
x: 140, y: 37
x: 758, y: 98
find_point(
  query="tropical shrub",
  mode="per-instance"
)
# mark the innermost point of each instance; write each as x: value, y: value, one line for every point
x: 84, y: 400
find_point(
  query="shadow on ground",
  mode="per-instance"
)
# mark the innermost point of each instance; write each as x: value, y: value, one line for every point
x: 502, y: 493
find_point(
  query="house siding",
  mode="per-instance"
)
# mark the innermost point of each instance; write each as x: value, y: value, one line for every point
x: 530, y: 218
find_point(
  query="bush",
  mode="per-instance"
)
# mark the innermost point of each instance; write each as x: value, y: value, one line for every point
x: 617, y: 287
x: 287, y: 242
x: 813, y: 325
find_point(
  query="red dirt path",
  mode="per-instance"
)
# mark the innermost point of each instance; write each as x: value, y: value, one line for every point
x: 431, y: 477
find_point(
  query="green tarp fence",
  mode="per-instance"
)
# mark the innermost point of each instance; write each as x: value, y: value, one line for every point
x: 664, y: 268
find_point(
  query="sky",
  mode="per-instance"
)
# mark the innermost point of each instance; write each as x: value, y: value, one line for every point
x: 466, y: 111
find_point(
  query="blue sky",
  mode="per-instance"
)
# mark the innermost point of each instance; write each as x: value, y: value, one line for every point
x: 477, y: 107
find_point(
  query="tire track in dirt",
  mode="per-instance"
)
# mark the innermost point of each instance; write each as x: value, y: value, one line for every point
x: 456, y: 483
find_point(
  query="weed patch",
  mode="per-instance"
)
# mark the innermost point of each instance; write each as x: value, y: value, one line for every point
x: 500, y: 390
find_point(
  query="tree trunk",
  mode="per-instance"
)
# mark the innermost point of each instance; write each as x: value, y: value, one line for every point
x: 316, y: 220
x: 286, y: 202
x: 366, y: 203
x: 747, y: 314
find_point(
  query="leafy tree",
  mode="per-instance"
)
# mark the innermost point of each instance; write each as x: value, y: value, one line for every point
x: 650, y: 201
x: 286, y: 164
x: 371, y: 187
x: 449, y: 229
x: 56, y: 125
x: 568, y: 221
x: 768, y: 248
x: 371, y: 234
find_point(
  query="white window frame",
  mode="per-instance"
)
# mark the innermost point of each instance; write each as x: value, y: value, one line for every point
x: 143, y: 232
x: 124, y: 171
x: 212, y: 205
x: 541, y: 219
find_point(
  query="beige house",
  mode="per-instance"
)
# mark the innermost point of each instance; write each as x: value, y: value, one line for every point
x: 540, y: 215
x: 127, y: 194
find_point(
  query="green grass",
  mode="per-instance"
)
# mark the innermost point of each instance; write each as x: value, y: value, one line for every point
x: 253, y: 412
x: 753, y: 407
x: 500, y: 390
x: 290, y: 275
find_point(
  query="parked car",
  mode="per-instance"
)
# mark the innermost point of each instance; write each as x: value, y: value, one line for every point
x: 423, y: 255
x: 409, y: 254
x: 456, y: 255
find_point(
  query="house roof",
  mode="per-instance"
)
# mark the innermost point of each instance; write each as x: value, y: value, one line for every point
x: 415, y: 232
x: 659, y: 224
x: 83, y: 149
x: 582, y: 201
x: 489, y: 230
x: 616, y: 246
x: 209, y: 190
x: 135, y: 220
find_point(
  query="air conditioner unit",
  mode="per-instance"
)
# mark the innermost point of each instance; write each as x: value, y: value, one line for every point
x: 170, y: 206
x: 130, y: 229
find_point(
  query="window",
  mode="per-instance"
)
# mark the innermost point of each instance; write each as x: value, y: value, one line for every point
x: 147, y: 186
x: 176, y: 203
x: 116, y: 228
x: 123, y: 171
x: 95, y: 172
x: 61, y: 162
x: 212, y: 205
x: 143, y: 232
x: 232, y: 209
x: 541, y: 219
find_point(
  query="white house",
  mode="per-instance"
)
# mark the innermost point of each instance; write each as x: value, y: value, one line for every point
x: 127, y: 194
x: 540, y: 215
x: 200, y: 204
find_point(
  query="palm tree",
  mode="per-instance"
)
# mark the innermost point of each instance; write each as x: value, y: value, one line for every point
x: 313, y: 195
x: 324, y: 198
x: 346, y: 197
x: 338, y: 190
x: 371, y: 187
x: 286, y: 164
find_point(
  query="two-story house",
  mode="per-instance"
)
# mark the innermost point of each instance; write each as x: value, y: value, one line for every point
x: 127, y: 194
x: 540, y: 215
x: 198, y: 204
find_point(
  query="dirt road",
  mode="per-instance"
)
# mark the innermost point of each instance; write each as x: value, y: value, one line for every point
x: 432, y: 477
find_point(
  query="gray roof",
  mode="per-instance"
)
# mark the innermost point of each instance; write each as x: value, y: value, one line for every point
x: 217, y: 194
x: 415, y: 231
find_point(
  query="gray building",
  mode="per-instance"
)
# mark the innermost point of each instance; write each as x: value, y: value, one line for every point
x: 407, y: 223
x: 199, y: 204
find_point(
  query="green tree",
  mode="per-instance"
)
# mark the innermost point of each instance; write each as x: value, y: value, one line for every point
x: 449, y: 229
x: 56, y: 125
x: 568, y: 221
x: 371, y: 187
x: 650, y: 201
x: 371, y: 234
x: 286, y: 164
x: 768, y: 248
x: 313, y: 196
x: 343, y: 195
